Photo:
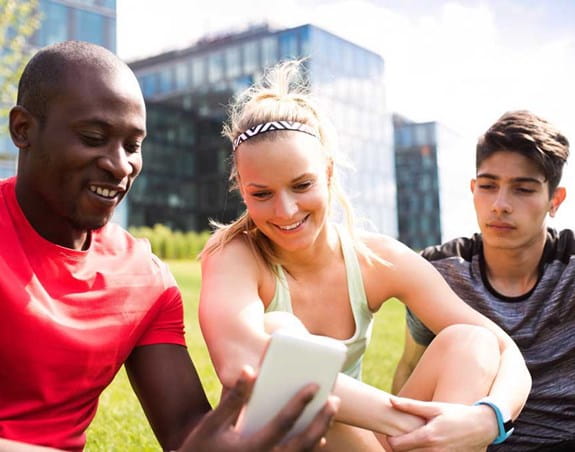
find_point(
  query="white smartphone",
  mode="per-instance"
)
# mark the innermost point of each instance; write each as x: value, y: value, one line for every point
x: 290, y: 362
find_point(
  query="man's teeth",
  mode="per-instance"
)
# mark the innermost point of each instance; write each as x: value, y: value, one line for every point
x: 105, y: 192
x: 291, y: 226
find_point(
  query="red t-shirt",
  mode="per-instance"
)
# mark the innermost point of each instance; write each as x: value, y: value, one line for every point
x: 68, y: 321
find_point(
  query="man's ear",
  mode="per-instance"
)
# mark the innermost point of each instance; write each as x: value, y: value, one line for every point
x: 21, y: 121
x: 556, y: 200
x: 472, y: 183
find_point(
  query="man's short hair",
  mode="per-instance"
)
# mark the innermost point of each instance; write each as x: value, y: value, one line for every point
x: 43, y: 75
x: 531, y: 136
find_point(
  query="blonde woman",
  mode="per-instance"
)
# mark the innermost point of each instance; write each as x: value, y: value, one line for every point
x: 284, y: 263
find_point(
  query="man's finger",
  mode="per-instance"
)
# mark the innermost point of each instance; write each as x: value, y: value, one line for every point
x: 315, y: 431
x: 231, y: 404
x: 281, y: 424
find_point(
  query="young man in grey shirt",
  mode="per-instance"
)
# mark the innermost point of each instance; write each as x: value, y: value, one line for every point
x: 518, y: 272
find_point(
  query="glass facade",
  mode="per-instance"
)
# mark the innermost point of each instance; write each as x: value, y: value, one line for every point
x: 83, y: 20
x: 351, y: 89
x: 180, y: 185
x: 348, y: 82
x: 418, y: 209
x: 433, y: 168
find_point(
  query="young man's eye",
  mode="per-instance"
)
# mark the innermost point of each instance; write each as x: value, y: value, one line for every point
x: 525, y: 190
x: 486, y: 186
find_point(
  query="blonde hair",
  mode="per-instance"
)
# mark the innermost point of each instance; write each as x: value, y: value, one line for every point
x: 281, y: 94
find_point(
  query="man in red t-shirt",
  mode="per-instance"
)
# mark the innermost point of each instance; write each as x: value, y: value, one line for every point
x: 80, y: 296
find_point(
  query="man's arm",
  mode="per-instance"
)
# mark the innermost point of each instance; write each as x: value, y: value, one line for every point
x: 216, y: 431
x: 412, y: 352
x: 169, y: 389
x: 170, y: 392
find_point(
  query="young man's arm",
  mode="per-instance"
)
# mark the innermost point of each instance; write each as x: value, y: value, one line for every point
x: 412, y: 352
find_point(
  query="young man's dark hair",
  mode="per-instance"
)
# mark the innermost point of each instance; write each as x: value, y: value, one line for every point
x: 523, y: 132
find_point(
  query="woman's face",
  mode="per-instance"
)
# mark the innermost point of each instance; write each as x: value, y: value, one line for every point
x: 285, y: 185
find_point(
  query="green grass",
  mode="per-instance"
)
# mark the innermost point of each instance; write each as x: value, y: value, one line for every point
x: 120, y: 424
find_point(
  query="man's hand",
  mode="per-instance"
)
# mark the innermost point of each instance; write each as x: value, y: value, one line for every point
x: 216, y: 432
x: 449, y: 427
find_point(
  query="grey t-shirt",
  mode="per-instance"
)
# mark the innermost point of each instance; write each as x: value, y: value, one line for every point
x: 542, y: 323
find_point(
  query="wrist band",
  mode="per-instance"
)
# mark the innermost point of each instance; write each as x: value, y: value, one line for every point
x: 505, y: 424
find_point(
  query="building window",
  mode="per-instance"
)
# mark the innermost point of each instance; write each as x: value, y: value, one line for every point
x: 288, y: 46
x: 269, y: 51
x: 110, y: 33
x: 54, y: 26
x: 233, y: 62
x: 198, y: 71
x: 215, y: 67
x: 181, y: 75
x: 165, y: 80
x: 90, y: 27
x: 148, y: 84
x: 251, y: 60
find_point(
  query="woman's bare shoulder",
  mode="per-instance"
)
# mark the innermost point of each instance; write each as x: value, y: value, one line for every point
x: 384, y: 246
x: 237, y: 255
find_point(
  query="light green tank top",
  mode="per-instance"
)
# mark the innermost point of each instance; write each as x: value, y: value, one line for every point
x: 363, y: 317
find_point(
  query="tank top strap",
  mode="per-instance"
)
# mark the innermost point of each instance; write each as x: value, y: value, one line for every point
x: 356, y: 288
x: 281, y: 300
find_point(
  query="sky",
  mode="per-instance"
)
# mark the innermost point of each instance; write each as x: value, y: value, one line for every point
x: 462, y: 63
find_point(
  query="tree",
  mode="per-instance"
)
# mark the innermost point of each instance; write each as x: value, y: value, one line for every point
x: 19, y: 19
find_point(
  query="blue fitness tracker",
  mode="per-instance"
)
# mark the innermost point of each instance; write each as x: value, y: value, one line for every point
x: 505, y: 425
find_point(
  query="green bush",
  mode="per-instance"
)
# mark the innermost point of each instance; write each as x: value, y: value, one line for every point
x: 168, y: 244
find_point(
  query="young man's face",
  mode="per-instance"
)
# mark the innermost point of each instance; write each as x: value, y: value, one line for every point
x: 511, y: 198
x: 85, y: 156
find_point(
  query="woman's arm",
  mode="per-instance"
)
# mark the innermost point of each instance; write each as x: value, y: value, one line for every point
x: 231, y: 313
x: 233, y: 323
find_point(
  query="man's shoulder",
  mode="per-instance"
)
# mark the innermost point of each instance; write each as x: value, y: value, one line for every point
x: 115, y: 242
x: 463, y: 247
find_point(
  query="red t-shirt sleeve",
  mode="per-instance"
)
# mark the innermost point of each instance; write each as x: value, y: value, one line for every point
x: 166, y: 325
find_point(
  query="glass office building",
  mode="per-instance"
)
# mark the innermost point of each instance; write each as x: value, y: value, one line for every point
x: 81, y: 20
x: 194, y: 85
x: 433, y: 167
x: 61, y: 20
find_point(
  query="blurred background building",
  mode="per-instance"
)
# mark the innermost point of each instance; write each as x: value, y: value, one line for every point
x: 185, y: 178
x: 432, y: 168
x: 184, y: 181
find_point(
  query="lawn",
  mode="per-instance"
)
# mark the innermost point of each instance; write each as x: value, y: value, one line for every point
x: 120, y: 423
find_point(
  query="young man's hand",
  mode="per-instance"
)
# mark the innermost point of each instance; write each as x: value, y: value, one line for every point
x: 216, y: 432
x: 449, y: 427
